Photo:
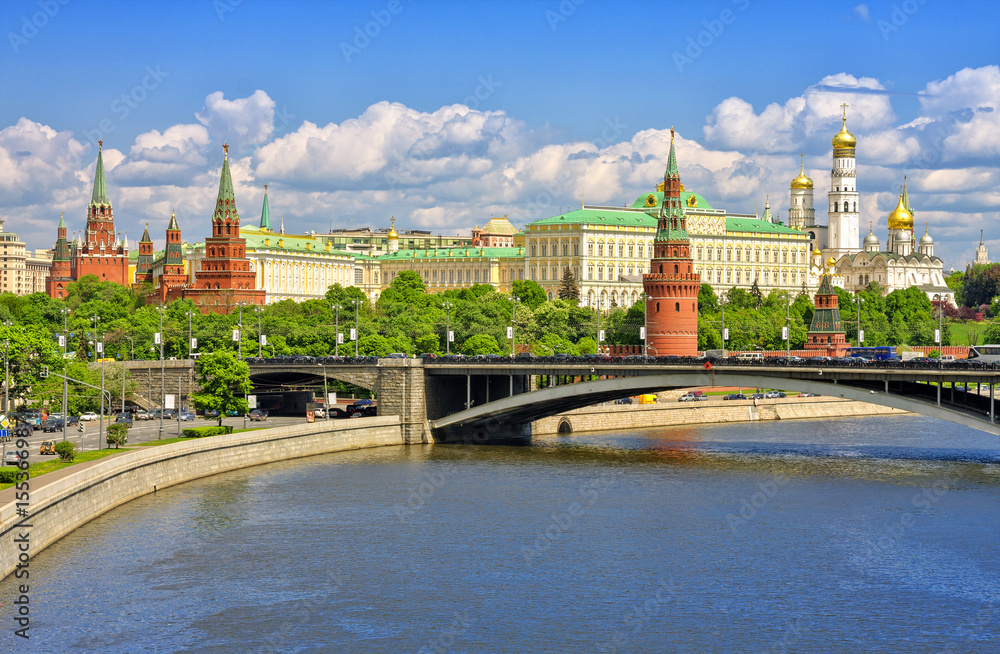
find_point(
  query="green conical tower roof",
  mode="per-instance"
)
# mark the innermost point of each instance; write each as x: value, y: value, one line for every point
x: 62, y: 222
x: 767, y: 211
x: 173, y: 223
x: 265, y: 214
x: 100, y: 195
x: 672, y: 169
x: 145, y: 235
x: 227, y: 199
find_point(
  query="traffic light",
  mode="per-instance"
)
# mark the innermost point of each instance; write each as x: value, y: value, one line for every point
x: 45, y: 372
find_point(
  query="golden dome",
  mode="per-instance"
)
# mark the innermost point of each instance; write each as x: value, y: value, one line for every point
x: 392, y: 228
x: 802, y: 181
x: 900, y: 218
x: 843, y: 138
x: 831, y: 262
x: 817, y: 253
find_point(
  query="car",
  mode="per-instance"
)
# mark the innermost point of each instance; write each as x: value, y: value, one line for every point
x: 258, y: 415
x: 47, y: 447
x: 88, y: 416
x: 771, y: 395
x: 211, y: 413
x: 186, y: 416
x: 687, y: 397
x: 74, y: 420
x: 363, y: 402
x: 624, y: 400
x: 734, y: 396
x: 808, y: 395
x: 169, y: 414
x: 319, y: 412
x: 141, y: 414
x: 756, y: 396
x: 124, y: 419
x: 11, y: 458
x: 395, y: 355
x: 52, y: 424
x: 339, y: 413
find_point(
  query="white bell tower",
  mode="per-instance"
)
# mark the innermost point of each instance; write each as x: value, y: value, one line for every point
x: 844, y: 217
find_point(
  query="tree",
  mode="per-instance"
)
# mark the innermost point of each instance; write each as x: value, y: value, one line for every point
x: 758, y: 297
x: 117, y: 434
x: 66, y: 450
x: 224, y: 383
x: 480, y: 344
x: 529, y: 292
x: 707, y: 301
x: 374, y: 345
x: 568, y: 290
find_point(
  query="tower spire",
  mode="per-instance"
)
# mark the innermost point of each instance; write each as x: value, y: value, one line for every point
x: 265, y: 214
x: 100, y: 195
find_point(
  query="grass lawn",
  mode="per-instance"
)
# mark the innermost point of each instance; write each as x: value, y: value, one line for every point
x: 967, y: 333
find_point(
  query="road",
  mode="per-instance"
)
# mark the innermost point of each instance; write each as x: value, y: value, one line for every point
x: 140, y: 432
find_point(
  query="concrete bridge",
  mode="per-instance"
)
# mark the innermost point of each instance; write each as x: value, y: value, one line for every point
x: 497, y: 401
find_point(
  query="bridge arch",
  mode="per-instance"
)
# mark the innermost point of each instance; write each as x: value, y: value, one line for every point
x: 518, y: 410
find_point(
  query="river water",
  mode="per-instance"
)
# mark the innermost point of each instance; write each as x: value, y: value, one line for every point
x: 852, y: 535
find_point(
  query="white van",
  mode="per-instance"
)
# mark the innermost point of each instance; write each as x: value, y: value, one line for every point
x: 750, y: 357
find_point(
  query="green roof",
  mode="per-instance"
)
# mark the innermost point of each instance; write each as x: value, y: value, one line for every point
x: 265, y: 213
x: 226, y: 199
x: 256, y: 240
x: 644, y: 202
x: 672, y: 170
x: 758, y: 225
x: 100, y: 195
x: 598, y: 216
x: 133, y: 255
x: 454, y: 253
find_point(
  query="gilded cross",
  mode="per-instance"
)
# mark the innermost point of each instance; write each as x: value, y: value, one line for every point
x: 844, y: 107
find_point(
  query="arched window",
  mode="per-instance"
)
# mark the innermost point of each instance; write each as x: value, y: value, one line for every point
x: 677, y: 306
x: 834, y: 207
x: 675, y: 269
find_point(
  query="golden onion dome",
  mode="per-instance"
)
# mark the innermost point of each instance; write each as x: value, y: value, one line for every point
x: 392, y: 229
x: 843, y: 138
x: 900, y: 218
x: 831, y: 262
x: 817, y: 253
x: 802, y: 181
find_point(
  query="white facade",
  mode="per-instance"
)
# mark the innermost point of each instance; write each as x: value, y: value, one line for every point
x: 844, y: 217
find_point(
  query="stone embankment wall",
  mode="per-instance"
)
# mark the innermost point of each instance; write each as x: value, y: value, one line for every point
x: 714, y: 410
x: 59, y: 507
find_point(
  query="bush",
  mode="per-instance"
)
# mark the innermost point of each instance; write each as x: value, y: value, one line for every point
x: 8, y: 475
x: 201, y: 432
x: 66, y: 450
x: 117, y: 434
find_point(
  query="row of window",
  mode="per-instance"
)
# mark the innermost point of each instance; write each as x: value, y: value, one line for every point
x: 739, y: 276
x: 770, y: 255
x: 634, y: 250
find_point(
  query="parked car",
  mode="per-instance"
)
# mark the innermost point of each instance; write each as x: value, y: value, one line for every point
x: 395, y: 355
x: 363, y: 402
x: 624, y: 400
x: 693, y: 396
x: 124, y: 419
x: 339, y: 413
x: 319, y: 412
x: 186, y: 416
x: 141, y: 414
x: 756, y: 396
x: 47, y: 447
x: 808, y: 394
x: 169, y: 414
x: 258, y: 415
x: 211, y: 413
x: 771, y: 395
x: 11, y: 458
x: 88, y: 416
x: 734, y: 396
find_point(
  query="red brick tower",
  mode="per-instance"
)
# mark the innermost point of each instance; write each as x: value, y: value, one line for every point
x: 172, y: 281
x: 144, y: 265
x: 224, y: 279
x: 60, y: 274
x: 671, y: 284
x: 101, y: 253
x: 826, y: 333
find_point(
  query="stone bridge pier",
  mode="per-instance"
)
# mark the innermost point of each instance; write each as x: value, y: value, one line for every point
x: 149, y: 389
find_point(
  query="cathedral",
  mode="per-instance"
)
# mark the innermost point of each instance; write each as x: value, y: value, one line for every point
x: 98, y: 251
x: 904, y: 263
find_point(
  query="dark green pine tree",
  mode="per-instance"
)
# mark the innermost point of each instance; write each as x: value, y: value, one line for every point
x: 568, y: 290
x: 758, y: 297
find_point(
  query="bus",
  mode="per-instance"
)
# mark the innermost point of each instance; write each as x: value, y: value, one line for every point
x: 879, y: 353
x: 985, y: 353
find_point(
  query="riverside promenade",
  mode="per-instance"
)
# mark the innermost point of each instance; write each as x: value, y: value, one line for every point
x: 59, y: 502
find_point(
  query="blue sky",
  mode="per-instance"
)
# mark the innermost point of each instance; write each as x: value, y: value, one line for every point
x: 446, y: 112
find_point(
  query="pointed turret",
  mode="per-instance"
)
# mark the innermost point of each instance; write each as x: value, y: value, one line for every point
x: 282, y: 223
x: 100, y: 195
x: 265, y: 214
x: 672, y: 169
x: 172, y: 226
x: 906, y: 198
x: 225, y: 203
x: 767, y: 210
x: 145, y: 236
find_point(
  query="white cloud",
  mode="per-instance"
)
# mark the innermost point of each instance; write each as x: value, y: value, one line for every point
x: 448, y: 169
x: 861, y: 11
x: 243, y: 122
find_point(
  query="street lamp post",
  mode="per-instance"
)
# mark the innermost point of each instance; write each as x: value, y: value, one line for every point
x: 861, y: 332
x: 163, y: 376
x: 513, y: 327
x: 239, y: 333
x: 788, y: 329
x: 724, y: 334
x: 357, y: 326
x: 260, y: 336
x: 940, y: 334
x: 336, y: 331
x: 326, y: 395
x: 65, y: 344
x: 447, y: 327
x: 600, y: 301
x: 190, y: 335
x: 131, y: 342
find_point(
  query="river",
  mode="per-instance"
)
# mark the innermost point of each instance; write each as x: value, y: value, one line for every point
x: 852, y: 535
